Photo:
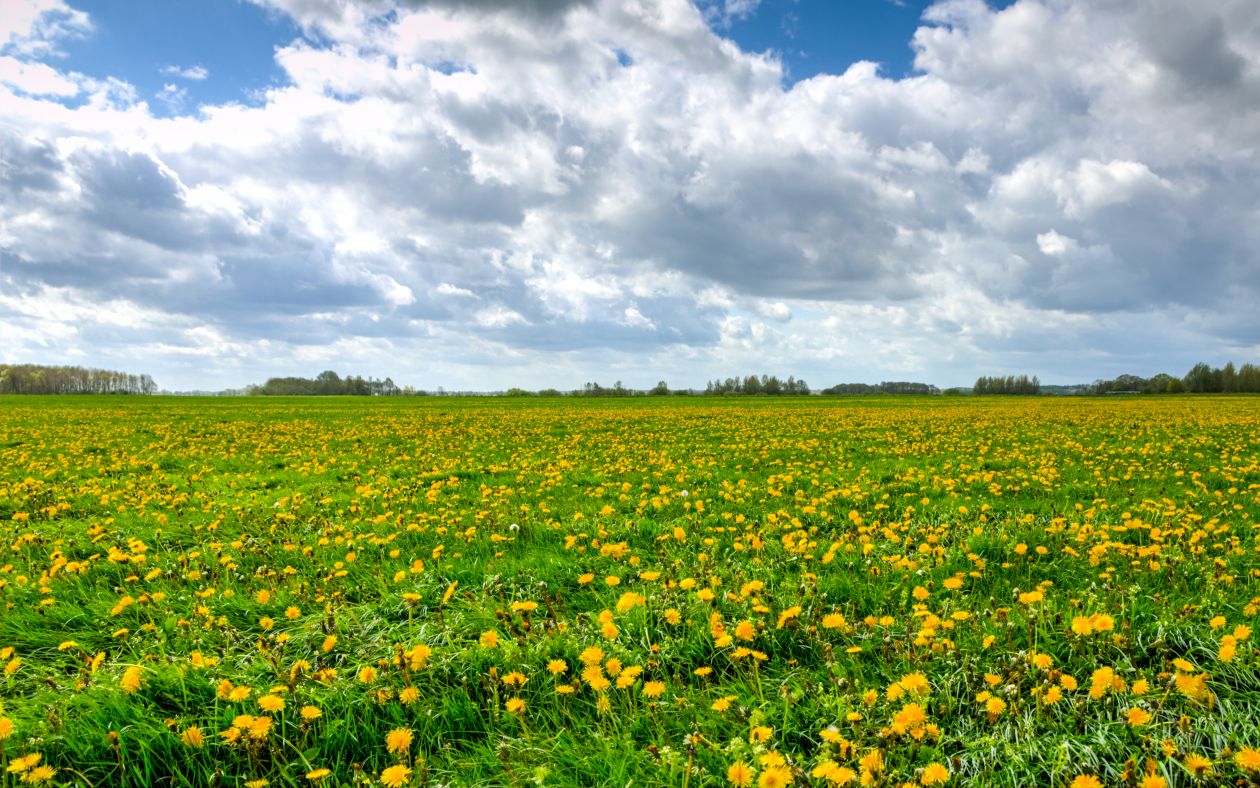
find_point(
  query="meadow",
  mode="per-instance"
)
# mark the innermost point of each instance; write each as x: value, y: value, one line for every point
x: 664, y: 592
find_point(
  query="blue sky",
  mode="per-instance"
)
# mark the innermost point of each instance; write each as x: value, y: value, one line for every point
x: 155, y: 43
x: 827, y: 36
x: 217, y: 192
x: 150, y: 42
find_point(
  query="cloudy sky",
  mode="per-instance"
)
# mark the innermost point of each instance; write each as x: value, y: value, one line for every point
x: 486, y: 193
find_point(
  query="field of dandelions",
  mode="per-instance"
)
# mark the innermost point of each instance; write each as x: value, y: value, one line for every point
x: 674, y: 592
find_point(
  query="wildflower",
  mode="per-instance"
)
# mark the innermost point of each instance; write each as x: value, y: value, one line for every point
x: 514, y: 679
x: 1197, y: 764
x: 25, y: 763
x: 40, y: 774
x: 408, y: 696
x: 367, y: 675
x: 317, y: 774
x: 775, y: 777
x: 271, y: 703
x: 739, y: 774
x: 994, y: 707
x: 329, y: 644
x: 489, y: 638
x: 1248, y: 759
x: 6, y: 728
x: 311, y: 713
x: 1137, y: 716
x: 132, y: 679
x: 557, y: 666
x: 934, y: 774
x: 515, y: 705
x: 1086, y: 781
x: 1100, y: 681
x: 654, y: 689
x: 592, y: 655
x: 260, y: 728
x: 1152, y: 781
x: 872, y: 762
x: 395, y: 776
x: 398, y: 741
x: 193, y: 738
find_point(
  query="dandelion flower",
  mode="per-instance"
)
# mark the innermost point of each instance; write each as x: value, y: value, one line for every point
x: 132, y: 679
x: 398, y: 741
x: 192, y: 737
x: 395, y: 776
x: 775, y: 777
x: 934, y: 774
x: 740, y: 774
x: 1138, y: 716
x: 1248, y: 759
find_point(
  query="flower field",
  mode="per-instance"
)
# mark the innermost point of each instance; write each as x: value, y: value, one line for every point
x: 665, y: 592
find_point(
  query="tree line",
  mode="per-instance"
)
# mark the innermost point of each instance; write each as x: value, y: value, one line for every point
x: 327, y: 384
x: 886, y: 387
x: 1201, y: 379
x: 752, y: 384
x: 1011, y: 384
x: 40, y: 379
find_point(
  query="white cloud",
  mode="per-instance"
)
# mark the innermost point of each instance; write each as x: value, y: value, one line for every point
x: 37, y: 79
x: 195, y: 73
x: 1052, y: 243
x: 578, y: 184
x: 33, y: 27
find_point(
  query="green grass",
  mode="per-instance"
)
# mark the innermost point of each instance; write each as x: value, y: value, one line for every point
x: 245, y: 532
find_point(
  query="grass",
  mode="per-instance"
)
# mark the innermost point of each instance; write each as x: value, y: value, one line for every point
x: 849, y: 581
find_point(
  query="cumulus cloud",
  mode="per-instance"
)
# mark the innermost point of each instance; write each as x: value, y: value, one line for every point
x: 35, y: 27
x: 194, y: 73
x: 573, y: 185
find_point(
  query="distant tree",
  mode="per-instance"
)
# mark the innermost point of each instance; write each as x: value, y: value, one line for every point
x: 1201, y: 378
x: 661, y: 389
x: 1229, y: 378
x: 39, y: 379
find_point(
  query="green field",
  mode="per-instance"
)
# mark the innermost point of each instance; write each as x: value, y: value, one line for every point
x: 650, y: 592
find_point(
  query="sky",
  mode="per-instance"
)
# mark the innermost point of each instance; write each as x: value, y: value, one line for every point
x: 478, y: 194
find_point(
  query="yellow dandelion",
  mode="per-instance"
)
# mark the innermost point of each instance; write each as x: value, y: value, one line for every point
x: 934, y: 774
x: 398, y: 741
x: 395, y: 776
x: 193, y: 738
x: 740, y: 774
